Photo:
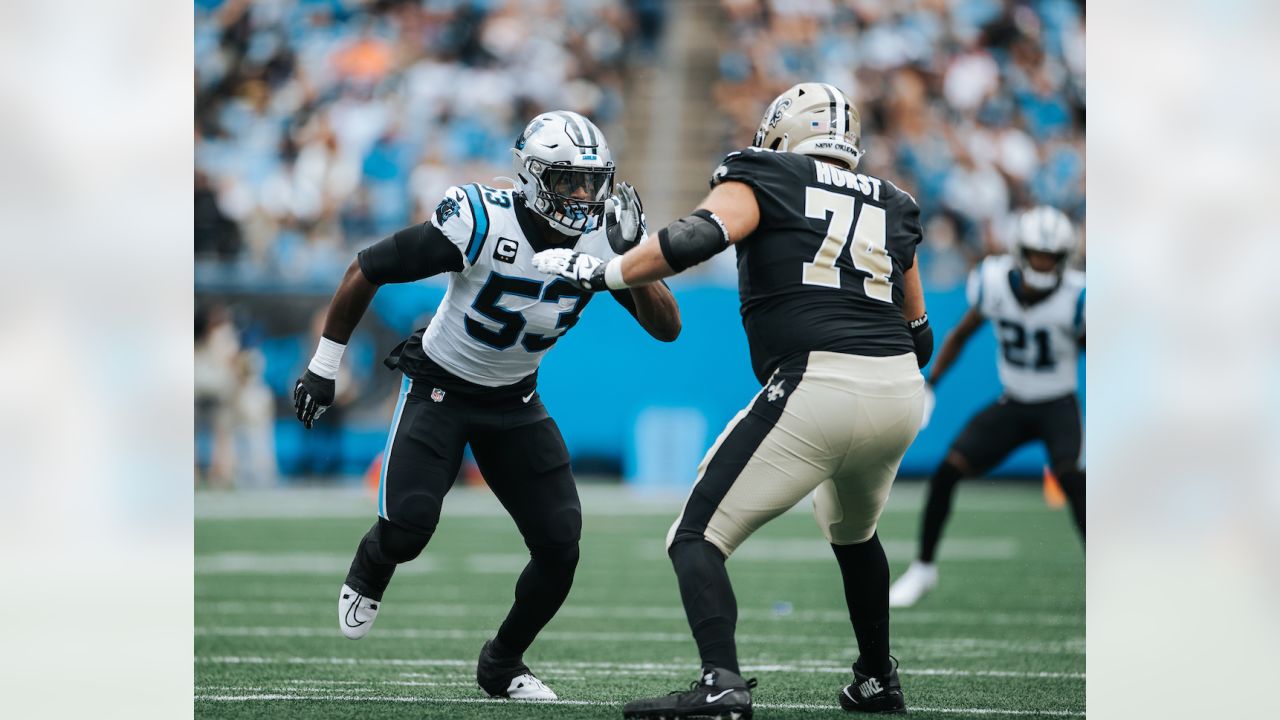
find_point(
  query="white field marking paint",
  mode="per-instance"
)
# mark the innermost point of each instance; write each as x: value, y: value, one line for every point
x: 359, y: 685
x: 292, y: 564
x: 268, y: 696
x: 597, y: 501
x: 958, y: 645
x: 803, y: 549
x: 841, y: 617
x: 837, y: 667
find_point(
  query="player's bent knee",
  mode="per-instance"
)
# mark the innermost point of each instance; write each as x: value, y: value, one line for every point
x: 418, y: 511
x: 960, y: 463
x: 562, y: 557
x: 849, y: 534
x: 688, y: 539
x: 561, y: 528
x: 401, y: 544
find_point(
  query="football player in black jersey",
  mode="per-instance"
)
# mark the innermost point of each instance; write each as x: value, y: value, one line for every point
x: 835, y: 319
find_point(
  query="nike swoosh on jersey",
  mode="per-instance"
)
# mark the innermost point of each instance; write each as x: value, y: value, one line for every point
x: 717, y: 696
x: 527, y: 397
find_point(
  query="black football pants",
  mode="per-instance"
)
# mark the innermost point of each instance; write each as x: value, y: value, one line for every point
x: 523, y: 459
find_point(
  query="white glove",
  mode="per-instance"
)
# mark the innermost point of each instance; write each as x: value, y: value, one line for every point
x: 584, y: 271
x: 625, y: 223
x: 929, y: 401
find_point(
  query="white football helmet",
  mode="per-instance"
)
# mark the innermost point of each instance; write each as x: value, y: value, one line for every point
x: 565, y: 170
x: 812, y: 119
x: 1047, y: 230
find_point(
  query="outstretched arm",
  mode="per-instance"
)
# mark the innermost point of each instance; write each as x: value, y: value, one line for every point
x: 728, y: 214
x: 348, y: 305
x: 733, y: 208
x: 411, y: 254
x: 654, y: 307
x: 955, y: 342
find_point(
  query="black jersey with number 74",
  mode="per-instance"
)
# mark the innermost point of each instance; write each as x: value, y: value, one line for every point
x: 823, y: 270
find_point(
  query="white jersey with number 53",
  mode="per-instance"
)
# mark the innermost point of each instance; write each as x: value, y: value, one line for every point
x: 500, y: 315
x: 1038, y: 343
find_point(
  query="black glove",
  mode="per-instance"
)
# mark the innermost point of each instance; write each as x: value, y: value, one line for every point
x: 624, y: 219
x: 312, y: 395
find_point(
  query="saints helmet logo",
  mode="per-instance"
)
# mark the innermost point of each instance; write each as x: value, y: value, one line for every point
x: 775, y: 116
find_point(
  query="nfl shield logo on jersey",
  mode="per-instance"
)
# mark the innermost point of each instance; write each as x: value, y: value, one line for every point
x: 437, y: 395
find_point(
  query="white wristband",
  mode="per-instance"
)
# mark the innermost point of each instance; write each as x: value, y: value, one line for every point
x: 613, y: 275
x: 327, y: 359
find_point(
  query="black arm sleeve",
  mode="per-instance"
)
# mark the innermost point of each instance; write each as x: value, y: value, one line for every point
x: 412, y: 254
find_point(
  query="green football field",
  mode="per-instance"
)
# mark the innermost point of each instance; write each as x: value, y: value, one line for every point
x: 1002, y: 636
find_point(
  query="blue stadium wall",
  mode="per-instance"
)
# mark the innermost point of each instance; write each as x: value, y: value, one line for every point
x: 650, y: 408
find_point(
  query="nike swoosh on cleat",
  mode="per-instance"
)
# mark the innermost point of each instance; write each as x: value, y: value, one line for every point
x: 351, y: 614
x: 527, y: 397
x: 717, y: 696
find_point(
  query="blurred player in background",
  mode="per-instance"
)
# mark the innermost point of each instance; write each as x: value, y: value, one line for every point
x: 835, y: 319
x: 470, y: 377
x: 1037, y: 304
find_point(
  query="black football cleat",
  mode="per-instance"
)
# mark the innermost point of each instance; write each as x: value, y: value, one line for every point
x: 874, y: 694
x: 720, y: 695
x: 509, y: 678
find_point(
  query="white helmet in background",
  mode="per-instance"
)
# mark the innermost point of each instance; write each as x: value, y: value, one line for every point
x: 1047, y: 230
x: 812, y: 119
x: 558, y: 154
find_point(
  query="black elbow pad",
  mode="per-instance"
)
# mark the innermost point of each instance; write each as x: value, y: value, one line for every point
x: 693, y: 239
x: 922, y: 336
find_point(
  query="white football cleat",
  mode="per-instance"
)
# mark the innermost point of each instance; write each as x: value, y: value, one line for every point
x: 528, y: 687
x: 920, y: 578
x: 356, y: 613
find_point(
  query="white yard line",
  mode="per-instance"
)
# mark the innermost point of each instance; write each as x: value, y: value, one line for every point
x: 1072, y: 646
x: 590, y: 667
x: 922, y: 617
x: 597, y: 501
x: 270, y: 696
x: 758, y: 550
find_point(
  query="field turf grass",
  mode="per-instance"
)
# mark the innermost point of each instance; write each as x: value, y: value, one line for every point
x: 1002, y: 636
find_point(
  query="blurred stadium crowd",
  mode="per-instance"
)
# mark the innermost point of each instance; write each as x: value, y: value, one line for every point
x: 974, y: 106
x: 323, y: 125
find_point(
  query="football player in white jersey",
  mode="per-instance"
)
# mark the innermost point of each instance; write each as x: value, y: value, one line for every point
x: 1036, y: 304
x: 470, y: 376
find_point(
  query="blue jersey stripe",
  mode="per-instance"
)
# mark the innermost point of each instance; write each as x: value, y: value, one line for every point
x: 405, y: 386
x: 479, y: 223
x: 1080, y: 309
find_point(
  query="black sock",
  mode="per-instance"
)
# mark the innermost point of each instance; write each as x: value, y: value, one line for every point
x: 1072, y: 484
x: 499, y: 651
x: 865, y: 571
x: 371, y: 570
x: 937, y: 508
x: 540, y: 592
x: 708, y: 601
